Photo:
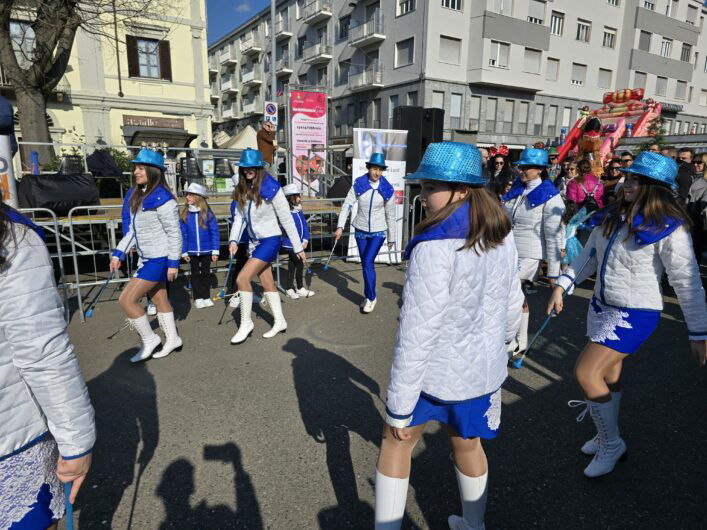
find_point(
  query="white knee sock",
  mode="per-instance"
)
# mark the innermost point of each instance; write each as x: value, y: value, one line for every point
x: 472, y: 491
x: 391, y: 494
x: 523, y: 332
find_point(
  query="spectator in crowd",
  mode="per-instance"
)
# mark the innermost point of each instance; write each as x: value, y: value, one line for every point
x: 554, y: 170
x: 685, y: 155
x: 566, y: 175
x: 669, y: 151
x: 586, y: 189
x: 626, y: 159
x: 697, y: 208
x: 500, y: 170
x: 653, y: 148
x: 698, y: 166
x: 266, y: 142
x: 612, y: 180
x: 485, y: 173
x: 685, y: 178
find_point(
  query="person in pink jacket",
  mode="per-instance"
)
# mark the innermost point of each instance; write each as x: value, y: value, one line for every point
x: 584, y: 185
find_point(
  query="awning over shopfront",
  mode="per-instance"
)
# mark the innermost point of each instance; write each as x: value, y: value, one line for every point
x: 138, y: 135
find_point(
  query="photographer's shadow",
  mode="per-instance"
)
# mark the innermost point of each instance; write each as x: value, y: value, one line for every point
x: 177, y: 487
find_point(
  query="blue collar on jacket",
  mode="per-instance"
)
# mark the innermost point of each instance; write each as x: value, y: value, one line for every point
x: 269, y: 188
x: 644, y: 236
x: 456, y: 226
x: 540, y: 195
x: 157, y: 197
x: 17, y: 217
x: 362, y: 185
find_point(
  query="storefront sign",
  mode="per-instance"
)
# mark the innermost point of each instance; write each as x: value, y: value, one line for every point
x: 149, y: 121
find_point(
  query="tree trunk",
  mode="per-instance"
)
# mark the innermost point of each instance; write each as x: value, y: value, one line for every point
x: 32, y: 107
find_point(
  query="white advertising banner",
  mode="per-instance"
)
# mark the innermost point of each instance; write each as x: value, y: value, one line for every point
x: 393, y: 145
x: 308, y: 122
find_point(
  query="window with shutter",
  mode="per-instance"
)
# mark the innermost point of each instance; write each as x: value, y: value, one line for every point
x: 604, y: 78
x: 539, y: 119
x: 165, y: 61
x: 438, y: 99
x: 491, y: 107
x: 133, y: 59
x: 661, y: 86
x: 532, y: 61
x: 449, y: 50
x: 644, y: 41
x: 639, y: 80
x: 536, y: 12
x: 579, y: 74
x: 553, y: 69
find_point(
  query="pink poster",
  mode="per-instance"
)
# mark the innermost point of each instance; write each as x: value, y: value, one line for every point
x: 309, y: 138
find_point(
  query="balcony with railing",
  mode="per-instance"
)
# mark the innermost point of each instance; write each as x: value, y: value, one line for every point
x: 228, y: 55
x: 370, y: 78
x: 283, y: 29
x: 317, y: 11
x: 228, y: 111
x: 213, y: 65
x: 283, y: 66
x: 370, y: 32
x: 252, y: 77
x: 252, y: 45
x: 215, y: 92
x: 229, y: 85
x: 253, y: 106
x: 317, y: 53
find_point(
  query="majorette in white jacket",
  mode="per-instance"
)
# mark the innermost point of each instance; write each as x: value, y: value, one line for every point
x: 630, y: 270
x: 536, y: 213
x: 265, y: 220
x: 459, y: 311
x: 154, y: 229
x: 41, y: 386
x: 376, y: 207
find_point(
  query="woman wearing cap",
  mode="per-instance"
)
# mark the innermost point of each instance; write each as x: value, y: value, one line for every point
x: 154, y: 232
x: 295, y: 267
x: 461, y: 305
x: 261, y: 208
x: 200, y: 242
x: 640, y: 235
x: 375, y: 219
x: 535, y: 208
x: 47, y: 429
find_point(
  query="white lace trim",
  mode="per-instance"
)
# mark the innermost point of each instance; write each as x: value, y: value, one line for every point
x: 21, y: 478
x: 493, y: 414
x: 602, y: 324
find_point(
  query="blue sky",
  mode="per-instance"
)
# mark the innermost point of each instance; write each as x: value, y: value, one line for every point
x: 225, y: 15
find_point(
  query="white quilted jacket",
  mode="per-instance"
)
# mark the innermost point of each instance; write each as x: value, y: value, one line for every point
x: 538, y: 230
x: 459, y: 312
x: 41, y: 386
x: 373, y: 214
x: 629, y: 275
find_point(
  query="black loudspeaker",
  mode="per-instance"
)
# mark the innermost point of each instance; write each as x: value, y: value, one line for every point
x: 58, y: 193
x: 432, y: 127
x: 410, y: 119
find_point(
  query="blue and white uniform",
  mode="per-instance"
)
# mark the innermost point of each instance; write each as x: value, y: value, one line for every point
x: 262, y: 222
x: 460, y: 309
x: 45, y: 409
x: 301, y: 225
x: 197, y: 240
x: 374, y: 221
x: 154, y: 232
x: 628, y: 299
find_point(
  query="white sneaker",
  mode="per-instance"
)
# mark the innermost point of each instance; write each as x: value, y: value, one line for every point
x: 305, y: 293
x: 292, y: 294
x: 151, y: 309
x: 369, y: 306
x: 207, y: 302
x: 199, y: 303
x: 235, y: 301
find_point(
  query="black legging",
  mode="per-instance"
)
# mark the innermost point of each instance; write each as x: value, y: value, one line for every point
x: 295, y: 269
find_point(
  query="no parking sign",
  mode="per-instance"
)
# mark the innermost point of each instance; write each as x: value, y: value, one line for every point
x: 271, y: 112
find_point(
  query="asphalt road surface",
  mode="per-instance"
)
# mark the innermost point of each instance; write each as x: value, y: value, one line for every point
x: 284, y: 433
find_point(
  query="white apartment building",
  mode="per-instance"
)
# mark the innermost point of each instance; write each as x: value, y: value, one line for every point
x: 512, y: 71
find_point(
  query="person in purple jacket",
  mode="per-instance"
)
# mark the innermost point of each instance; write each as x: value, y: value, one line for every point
x: 200, y: 242
x: 295, y: 268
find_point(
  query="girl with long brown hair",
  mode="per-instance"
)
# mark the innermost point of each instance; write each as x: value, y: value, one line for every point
x: 638, y: 237
x: 261, y: 208
x: 155, y: 234
x: 200, y: 241
x: 461, y: 306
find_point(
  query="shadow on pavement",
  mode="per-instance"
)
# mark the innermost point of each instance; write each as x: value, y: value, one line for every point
x: 332, y: 406
x: 177, y: 487
x: 124, y: 398
x: 340, y: 280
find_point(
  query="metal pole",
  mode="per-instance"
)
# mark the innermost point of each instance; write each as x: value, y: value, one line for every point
x: 273, y: 53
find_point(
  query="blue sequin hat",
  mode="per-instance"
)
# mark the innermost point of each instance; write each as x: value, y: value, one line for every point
x: 533, y: 158
x: 450, y: 162
x: 655, y: 167
x: 148, y: 157
x: 377, y: 159
x: 251, y: 158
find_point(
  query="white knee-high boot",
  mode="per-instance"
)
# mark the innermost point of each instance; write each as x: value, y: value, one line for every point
x: 172, y: 339
x: 592, y: 446
x: 247, y: 325
x: 523, y: 332
x: 473, y: 492
x: 275, y: 304
x: 150, y: 339
x: 391, y: 495
x: 611, y: 447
